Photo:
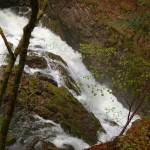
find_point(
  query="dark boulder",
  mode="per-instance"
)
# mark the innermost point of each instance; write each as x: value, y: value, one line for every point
x: 59, y: 105
x: 8, y: 3
x: 36, y: 62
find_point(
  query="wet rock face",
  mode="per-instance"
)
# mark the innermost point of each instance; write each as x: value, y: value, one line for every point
x: 8, y: 3
x: 59, y: 105
x: 1, y: 72
x: 47, y: 78
x: 57, y: 63
x: 11, y: 3
x: 80, y: 24
x: 36, y: 62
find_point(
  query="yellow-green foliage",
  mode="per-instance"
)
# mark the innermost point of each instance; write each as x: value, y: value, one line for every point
x: 59, y: 105
x: 136, y: 137
x: 143, y: 2
x: 125, y: 6
x: 90, y: 1
x: 127, y: 72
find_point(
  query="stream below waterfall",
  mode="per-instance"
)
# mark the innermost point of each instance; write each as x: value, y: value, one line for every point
x: 103, y: 105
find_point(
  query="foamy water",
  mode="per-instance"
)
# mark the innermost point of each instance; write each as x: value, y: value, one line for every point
x: 103, y: 107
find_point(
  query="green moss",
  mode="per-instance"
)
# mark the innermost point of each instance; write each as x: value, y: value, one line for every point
x: 36, y: 62
x: 56, y: 57
x: 59, y: 105
x: 91, y: 2
x: 54, y: 25
x: 70, y: 83
x: 10, y: 140
x: 125, y: 6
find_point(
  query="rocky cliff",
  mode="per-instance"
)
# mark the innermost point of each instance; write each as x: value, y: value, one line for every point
x: 109, y: 23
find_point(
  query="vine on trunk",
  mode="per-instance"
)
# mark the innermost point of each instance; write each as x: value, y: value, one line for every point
x: 22, y: 51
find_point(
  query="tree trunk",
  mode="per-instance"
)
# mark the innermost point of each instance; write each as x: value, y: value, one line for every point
x: 14, y: 90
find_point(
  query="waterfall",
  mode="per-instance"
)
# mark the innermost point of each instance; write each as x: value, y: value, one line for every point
x: 104, y: 106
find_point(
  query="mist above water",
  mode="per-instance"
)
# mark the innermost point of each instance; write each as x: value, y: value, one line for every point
x: 106, y: 108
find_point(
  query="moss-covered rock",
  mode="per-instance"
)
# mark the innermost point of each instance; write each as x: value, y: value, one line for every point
x: 10, y: 140
x: 1, y: 72
x: 8, y: 3
x: 40, y: 144
x: 56, y: 57
x: 59, y: 105
x: 69, y: 81
x: 45, y: 77
x: 44, y: 145
x: 36, y: 62
x: 51, y: 21
x: 57, y: 63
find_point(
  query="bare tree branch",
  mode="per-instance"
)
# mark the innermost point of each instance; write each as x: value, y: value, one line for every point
x: 41, y: 11
x: 22, y: 50
x: 7, y: 44
x: 141, y: 100
x: 11, y: 62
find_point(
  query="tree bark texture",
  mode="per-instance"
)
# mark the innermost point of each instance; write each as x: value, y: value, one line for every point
x: 22, y: 49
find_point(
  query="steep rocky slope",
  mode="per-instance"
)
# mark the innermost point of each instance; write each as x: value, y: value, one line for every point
x: 96, y: 22
x: 123, y: 25
x: 105, y: 23
x: 137, y: 137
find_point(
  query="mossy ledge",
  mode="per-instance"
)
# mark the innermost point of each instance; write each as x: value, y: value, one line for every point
x: 59, y: 105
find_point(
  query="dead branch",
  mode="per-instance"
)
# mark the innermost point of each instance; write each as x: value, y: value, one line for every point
x: 7, y: 44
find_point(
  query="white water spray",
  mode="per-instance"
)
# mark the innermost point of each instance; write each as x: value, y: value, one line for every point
x: 103, y: 107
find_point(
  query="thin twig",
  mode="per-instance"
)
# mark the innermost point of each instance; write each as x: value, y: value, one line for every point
x: 141, y: 100
x: 42, y: 10
x: 6, y: 43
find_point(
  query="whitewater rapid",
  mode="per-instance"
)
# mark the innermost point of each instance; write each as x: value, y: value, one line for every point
x: 103, y: 107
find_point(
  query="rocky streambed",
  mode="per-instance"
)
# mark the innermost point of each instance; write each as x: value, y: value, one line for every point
x: 39, y: 96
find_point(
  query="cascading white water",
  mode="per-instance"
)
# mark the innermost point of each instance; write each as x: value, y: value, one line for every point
x: 103, y: 107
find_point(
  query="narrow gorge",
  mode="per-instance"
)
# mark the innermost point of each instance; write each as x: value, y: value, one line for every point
x: 60, y: 104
